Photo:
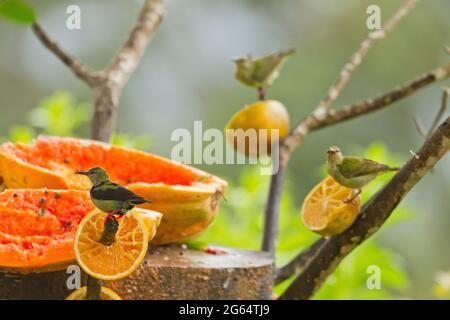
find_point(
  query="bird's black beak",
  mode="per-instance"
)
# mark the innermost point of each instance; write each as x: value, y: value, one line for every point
x: 82, y: 172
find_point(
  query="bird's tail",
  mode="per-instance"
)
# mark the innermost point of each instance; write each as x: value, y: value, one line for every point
x: 139, y: 200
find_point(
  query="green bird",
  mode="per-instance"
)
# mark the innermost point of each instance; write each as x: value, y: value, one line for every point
x: 353, y: 172
x: 108, y: 196
x: 260, y: 72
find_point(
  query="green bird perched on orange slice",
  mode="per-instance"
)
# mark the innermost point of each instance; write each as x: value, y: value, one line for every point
x: 353, y: 172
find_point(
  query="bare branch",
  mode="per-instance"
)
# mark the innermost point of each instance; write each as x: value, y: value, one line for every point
x: 80, y: 70
x: 106, y: 95
x: 299, y: 262
x: 441, y: 111
x: 374, y: 104
x: 420, y: 127
x: 107, y: 85
x: 361, y: 52
x: 320, y: 113
x: 129, y: 55
x: 372, y: 216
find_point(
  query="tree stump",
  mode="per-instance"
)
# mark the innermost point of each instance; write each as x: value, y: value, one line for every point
x: 167, y: 272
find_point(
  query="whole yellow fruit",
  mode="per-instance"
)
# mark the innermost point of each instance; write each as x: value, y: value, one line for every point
x: 267, y: 114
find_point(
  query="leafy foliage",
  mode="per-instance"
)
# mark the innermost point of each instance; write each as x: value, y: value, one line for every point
x: 60, y: 115
x: 17, y: 11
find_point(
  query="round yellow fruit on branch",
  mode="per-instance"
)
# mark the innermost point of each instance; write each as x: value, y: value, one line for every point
x: 327, y: 210
x: 245, y: 129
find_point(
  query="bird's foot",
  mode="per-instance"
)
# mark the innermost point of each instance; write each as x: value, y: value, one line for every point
x: 111, y: 216
x: 352, y: 199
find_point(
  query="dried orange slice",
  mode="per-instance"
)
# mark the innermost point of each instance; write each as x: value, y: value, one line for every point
x: 326, y: 209
x: 105, y: 294
x: 124, y: 255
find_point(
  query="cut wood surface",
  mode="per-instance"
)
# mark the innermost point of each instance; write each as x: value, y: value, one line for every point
x: 168, y: 272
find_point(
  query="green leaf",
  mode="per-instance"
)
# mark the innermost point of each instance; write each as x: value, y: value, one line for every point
x: 17, y: 11
x: 22, y: 134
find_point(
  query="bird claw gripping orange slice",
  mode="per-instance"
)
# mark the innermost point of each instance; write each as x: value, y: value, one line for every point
x: 118, y: 258
x: 326, y: 209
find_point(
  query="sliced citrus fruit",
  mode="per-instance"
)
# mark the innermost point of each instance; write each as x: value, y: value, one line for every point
x: 105, y: 294
x: 151, y: 220
x: 327, y: 210
x: 123, y: 256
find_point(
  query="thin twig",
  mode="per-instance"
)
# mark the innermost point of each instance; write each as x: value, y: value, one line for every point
x: 441, y: 111
x: 372, y: 217
x: 364, y: 107
x: 320, y: 113
x: 361, y: 52
x: 443, y: 107
x: 80, y: 70
x: 420, y: 127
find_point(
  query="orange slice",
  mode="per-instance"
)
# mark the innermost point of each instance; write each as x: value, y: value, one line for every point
x: 326, y: 209
x: 105, y: 294
x: 124, y: 255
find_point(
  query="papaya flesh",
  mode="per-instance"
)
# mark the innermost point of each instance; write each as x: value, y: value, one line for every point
x: 187, y: 197
x: 37, y: 227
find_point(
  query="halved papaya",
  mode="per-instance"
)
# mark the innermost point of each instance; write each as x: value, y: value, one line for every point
x: 37, y: 227
x: 187, y: 197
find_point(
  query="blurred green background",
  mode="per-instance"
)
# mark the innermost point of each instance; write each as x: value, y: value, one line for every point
x: 187, y: 75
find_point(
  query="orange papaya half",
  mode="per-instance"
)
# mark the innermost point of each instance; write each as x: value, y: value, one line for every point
x: 37, y: 227
x: 187, y: 197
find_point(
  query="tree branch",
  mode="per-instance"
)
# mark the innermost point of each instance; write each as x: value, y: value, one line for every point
x: 320, y: 114
x: 127, y: 58
x: 361, y: 108
x: 107, y: 85
x: 80, y: 70
x: 372, y: 216
x: 373, y: 104
x: 298, y: 263
x: 106, y: 96
x: 361, y: 52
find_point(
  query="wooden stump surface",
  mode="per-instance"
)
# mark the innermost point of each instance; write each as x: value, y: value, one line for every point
x: 167, y: 272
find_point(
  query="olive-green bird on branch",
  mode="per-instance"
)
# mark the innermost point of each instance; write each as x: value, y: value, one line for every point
x: 110, y: 197
x: 260, y: 72
x: 353, y: 172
